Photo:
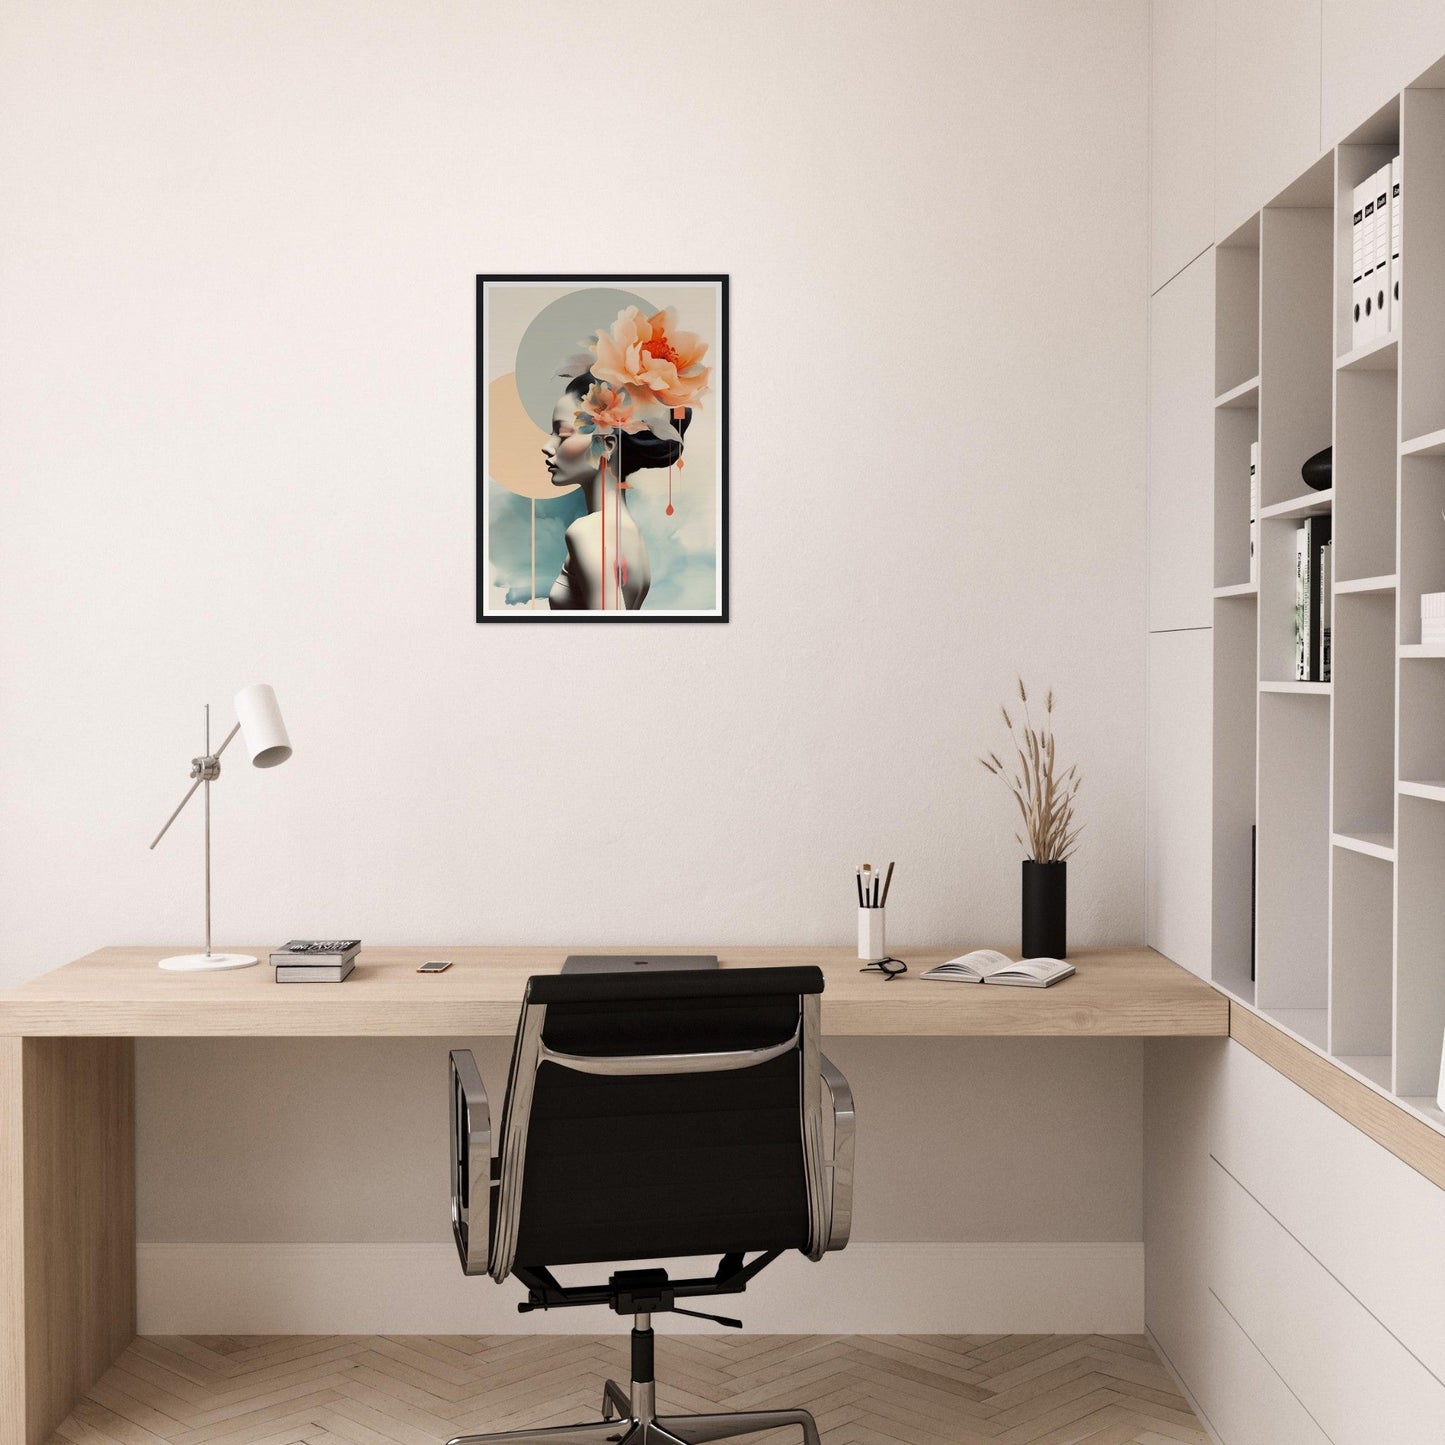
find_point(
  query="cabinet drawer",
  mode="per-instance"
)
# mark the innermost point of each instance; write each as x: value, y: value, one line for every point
x: 1246, y: 1402
x: 1357, y: 1381
x: 1367, y: 1217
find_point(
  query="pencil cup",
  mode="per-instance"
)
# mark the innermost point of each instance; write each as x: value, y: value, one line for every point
x: 871, y: 946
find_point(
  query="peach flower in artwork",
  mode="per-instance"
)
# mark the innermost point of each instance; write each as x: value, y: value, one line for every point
x: 606, y: 409
x: 651, y: 358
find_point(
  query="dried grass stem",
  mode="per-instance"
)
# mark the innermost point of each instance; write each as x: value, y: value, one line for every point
x: 1044, y: 795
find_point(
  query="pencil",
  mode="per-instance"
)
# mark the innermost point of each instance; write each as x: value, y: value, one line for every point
x: 887, y: 884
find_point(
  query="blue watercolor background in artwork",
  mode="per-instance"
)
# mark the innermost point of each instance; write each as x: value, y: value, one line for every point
x: 682, y: 571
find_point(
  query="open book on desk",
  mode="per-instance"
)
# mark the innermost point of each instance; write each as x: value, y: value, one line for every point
x: 987, y: 965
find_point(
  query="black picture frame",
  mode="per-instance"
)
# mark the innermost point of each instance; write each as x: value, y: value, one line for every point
x: 720, y: 389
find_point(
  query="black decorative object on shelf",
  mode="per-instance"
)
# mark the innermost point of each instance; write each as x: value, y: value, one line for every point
x: 1319, y: 471
x: 1046, y: 909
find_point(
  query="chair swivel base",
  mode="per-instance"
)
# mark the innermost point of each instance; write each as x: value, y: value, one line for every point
x: 634, y: 1423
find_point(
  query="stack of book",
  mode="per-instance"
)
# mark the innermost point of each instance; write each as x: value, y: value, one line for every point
x: 315, y: 960
x: 1432, y: 618
x: 1313, y: 582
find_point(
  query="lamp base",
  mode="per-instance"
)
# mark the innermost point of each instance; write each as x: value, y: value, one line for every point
x: 206, y: 962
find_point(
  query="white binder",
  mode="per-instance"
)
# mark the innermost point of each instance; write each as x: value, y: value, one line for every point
x: 1382, y: 251
x: 1357, y: 266
x: 1396, y: 224
x: 1367, y: 324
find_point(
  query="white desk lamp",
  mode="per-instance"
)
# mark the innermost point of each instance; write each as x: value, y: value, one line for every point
x: 258, y: 720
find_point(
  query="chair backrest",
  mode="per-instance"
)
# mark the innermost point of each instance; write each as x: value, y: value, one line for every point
x: 662, y: 1115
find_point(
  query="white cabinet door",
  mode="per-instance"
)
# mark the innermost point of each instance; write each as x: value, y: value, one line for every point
x: 1178, y: 814
x: 1266, y: 102
x: 1369, y: 50
x: 1181, y: 450
x: 1181, y: 134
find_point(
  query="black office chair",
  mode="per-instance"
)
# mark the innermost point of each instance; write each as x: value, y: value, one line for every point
x: 651, y: 1117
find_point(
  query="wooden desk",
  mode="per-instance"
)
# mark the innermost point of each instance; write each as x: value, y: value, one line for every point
x: 67, y: 1162
x: 119, y: 992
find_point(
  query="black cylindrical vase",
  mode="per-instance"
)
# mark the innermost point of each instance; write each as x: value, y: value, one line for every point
x: 1046, y: 909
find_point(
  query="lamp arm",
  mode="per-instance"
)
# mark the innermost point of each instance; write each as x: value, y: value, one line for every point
x: 199, y: 772
x: 235, y: 728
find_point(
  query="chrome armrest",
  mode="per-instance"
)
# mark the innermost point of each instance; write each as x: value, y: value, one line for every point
x: 840, y: 1166
x: 471, y: 1163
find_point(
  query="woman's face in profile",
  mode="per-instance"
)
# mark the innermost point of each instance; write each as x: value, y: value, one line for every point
x: 568, y: 451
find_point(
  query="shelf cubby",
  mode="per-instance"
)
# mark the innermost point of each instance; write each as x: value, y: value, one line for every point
x: 1363, y: 686
x: 1420, y: 961
x: 1422, y: 725
x: 1294, y: 852
x: 1422, y: 250
x: 1236, y: 701
x: 1373, y: 145
x: 1365, y: 461
x: 1276, y: 601
x: 1362, y: 956
x: 1296, y: 328
x: 1422, y: 538
x: 1235, y: 429
x: 1236, y: 302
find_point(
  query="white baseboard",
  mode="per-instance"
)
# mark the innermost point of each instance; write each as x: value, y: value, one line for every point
x: 350, y: 1289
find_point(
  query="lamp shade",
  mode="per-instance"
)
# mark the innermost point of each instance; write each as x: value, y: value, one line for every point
x: 262, y: 730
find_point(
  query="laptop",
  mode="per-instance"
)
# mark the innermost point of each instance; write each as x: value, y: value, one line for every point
x: 637, y: 962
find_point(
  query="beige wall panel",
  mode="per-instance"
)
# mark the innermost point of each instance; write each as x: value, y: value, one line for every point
x: 1371, y: 49
x: 1181, y: 450
x: 1179, y: 827
x: 1181, y: 134
x: 1267, y: 102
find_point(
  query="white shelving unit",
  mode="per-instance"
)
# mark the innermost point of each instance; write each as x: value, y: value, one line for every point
x: 1342, y: 782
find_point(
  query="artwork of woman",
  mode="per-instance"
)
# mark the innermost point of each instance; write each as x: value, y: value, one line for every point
x: 620, y: 490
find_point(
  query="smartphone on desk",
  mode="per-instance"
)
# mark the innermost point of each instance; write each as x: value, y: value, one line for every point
x: 435, y: 965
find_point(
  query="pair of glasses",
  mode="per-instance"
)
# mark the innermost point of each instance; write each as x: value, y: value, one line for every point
x: 890, y: 968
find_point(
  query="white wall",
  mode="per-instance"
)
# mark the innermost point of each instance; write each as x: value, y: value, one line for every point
x: 236, y: 372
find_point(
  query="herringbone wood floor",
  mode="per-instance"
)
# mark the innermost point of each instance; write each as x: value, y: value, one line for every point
x: 419, y: 1390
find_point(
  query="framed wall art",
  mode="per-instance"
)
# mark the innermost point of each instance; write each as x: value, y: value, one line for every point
x: 602, y: 449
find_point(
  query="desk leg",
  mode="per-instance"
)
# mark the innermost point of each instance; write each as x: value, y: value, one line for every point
x: 67, y: 1224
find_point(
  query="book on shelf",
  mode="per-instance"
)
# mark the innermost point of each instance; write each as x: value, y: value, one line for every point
x: 1310, y: 610
x: 988, y: 965
x: 316, y: 952
x: 1301, y: 605
x: 1254, y: 513
x: 314, y: 972
x: 1317, y: 534
x: 1326, y: 606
